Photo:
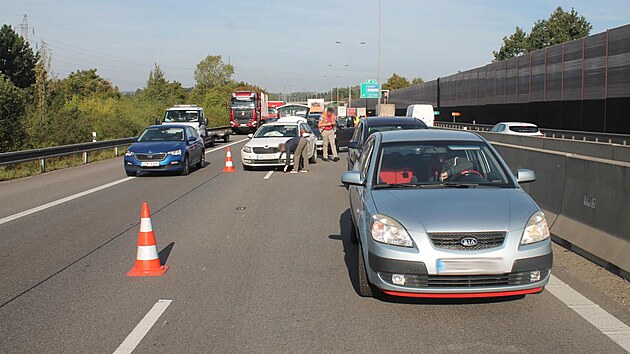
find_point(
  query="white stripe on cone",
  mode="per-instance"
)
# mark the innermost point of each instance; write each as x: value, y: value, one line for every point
x: 229, y: 153
x: 145, y: 225
x: 228, y: 163
x: 147, y: 253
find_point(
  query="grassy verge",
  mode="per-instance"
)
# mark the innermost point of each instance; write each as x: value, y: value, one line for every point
x: 55, y: 163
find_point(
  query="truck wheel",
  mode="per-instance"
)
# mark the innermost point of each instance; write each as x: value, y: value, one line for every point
x: 365, y: 288
x: 226, y: 138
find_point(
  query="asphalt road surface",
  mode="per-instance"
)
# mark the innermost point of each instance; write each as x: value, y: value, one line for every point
x: 256, y: 265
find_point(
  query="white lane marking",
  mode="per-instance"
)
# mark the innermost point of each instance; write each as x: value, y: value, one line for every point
x: 268, y: 175
x: 133, y: 339
x: 82, y: 194
x: 226, y: 145
x: 606, y: 323
x: 61, y: 201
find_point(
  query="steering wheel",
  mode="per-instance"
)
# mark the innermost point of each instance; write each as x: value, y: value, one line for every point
x: 465, y: 173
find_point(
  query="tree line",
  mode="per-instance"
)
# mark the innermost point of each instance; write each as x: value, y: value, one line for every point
x: 37, y: 109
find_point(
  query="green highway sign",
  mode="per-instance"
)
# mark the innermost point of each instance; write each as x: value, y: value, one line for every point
x: 370, y: 89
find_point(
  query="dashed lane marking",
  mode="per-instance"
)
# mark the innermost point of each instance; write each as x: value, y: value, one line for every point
x: 142, y: 328
x: 268, y: 175
x: 84, y: 193
x: 606, y: 323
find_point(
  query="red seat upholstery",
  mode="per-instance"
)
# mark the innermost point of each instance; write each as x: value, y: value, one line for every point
x: 394, y: 169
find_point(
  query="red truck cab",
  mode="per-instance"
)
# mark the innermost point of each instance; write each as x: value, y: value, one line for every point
x: 245, y: 112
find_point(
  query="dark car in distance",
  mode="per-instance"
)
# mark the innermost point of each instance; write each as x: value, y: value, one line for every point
x: 368, y: 126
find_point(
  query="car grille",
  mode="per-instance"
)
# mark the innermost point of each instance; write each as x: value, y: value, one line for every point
x: 464, y: 281
x: 452, y: 241
x: 265, y: 162
x: 150, y: 157
x: 262, y: 150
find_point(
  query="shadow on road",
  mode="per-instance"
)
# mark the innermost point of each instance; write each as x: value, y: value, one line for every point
x: 165, y: 252
x: 351, y: 254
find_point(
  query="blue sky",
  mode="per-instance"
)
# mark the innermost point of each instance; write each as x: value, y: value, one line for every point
x: 284, y: 45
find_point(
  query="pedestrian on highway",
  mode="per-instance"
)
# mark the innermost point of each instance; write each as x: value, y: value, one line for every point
x: 326, y: 125
x: 297, y: 146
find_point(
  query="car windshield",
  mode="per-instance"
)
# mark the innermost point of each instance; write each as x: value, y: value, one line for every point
x: 174, y: 116
x: 439, y: 164
x: 277, y: 131
x: 385, y: 128
x: 524, y: 128
x: 242, y: 104
x: 162, y: 134
x: 313, y: 120
x: 296, y: 111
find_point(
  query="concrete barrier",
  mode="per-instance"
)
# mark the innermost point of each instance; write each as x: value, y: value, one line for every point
x: 585, y: 199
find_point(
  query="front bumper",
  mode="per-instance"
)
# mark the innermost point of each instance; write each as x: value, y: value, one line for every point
x: 169, y: 163
x: 523, y: 272
x: 263, y: 160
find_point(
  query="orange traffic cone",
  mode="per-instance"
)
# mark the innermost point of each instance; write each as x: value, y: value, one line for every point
x: 229, y: 166
x: 147, y: 259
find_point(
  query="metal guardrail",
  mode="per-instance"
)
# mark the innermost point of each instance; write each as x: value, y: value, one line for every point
x: 552, y: 133
x: 14, y: 157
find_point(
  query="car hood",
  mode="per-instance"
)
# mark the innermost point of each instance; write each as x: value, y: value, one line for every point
x: 185, y: 124
x: 457, y: 210
x: 156, y: 146
x: 271, y: 142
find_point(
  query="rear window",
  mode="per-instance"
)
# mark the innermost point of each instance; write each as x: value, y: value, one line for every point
x: 386, y: 128
x: 524, y: 129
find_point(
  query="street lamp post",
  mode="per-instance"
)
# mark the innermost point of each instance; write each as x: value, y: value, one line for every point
x: 349, y: 69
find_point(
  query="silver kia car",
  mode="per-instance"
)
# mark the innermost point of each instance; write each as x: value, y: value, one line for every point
x: 437, y: 213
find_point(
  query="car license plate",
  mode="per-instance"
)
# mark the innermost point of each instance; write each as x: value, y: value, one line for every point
x: 470, y: 266
x: 150, y: 164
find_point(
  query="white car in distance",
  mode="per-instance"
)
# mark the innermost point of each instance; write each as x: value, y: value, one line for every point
x: 517, y: 128
x: 262, y: 150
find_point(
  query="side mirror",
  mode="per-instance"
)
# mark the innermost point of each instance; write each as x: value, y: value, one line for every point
x: 525, y: 176
x: 306, y: 135
x: 250, y: 135
x: 204, y: 121
x: 157, y: 121
x: 354, y: 145
x: 352, y: 178
x: 192, y: 138
x: 134, y: 139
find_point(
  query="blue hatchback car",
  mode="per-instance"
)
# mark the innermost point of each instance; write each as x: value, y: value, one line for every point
x: 167, y: 147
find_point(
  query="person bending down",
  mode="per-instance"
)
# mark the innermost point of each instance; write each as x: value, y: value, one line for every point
x: 297, y: 146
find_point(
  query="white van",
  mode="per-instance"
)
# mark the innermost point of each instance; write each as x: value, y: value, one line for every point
x: 424, y: 112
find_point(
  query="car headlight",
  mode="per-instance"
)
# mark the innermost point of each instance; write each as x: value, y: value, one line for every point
x: 247, y: 149
x: 387, y: 230
x: 129, y: 153
x: 175, y: 152
x: 536, y: 230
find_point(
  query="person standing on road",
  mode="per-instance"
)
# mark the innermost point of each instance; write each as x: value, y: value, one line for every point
x: 297, y: 146
x: 326, y: 126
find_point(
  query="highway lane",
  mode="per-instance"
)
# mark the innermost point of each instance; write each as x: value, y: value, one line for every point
x: 277, y: 275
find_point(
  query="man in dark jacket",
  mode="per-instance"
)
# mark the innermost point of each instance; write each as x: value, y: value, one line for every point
x: 297, y: 146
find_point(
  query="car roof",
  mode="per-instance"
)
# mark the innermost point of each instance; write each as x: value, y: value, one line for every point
x: 373, y: 121
x: 284, y: 122
x: 428, y: 135
x: 518, y: 123
x: 291, y: 119
x: 168, y: 125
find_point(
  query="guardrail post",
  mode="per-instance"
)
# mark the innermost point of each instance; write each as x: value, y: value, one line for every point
x: 116, y: 151
x: 42, y: 165
x: 85, y: 157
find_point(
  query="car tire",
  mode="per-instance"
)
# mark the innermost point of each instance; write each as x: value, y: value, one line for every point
x: 211, y: 141
x: 186, y: 164
x: 226, y: 138
x: 365, y: 288
x: 247, y: 168
x: 313, y: 159
x: 130, y: 173
x: 354, y: 236
x: 202, y: 160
